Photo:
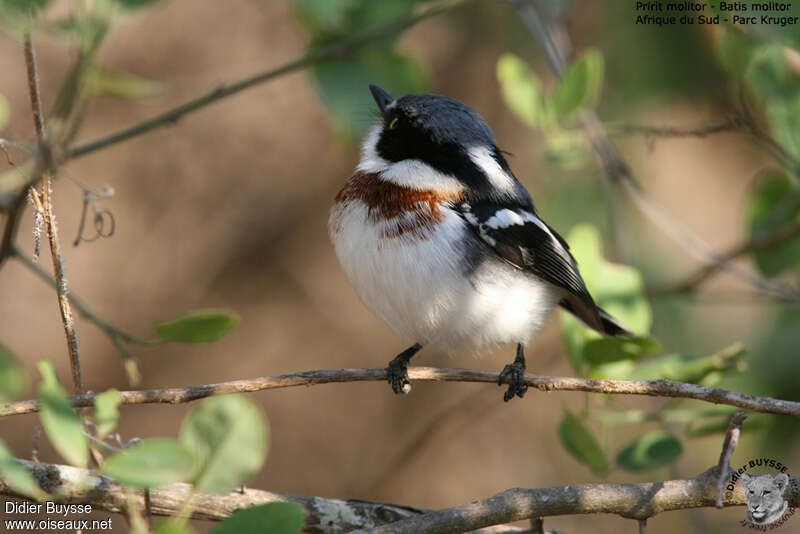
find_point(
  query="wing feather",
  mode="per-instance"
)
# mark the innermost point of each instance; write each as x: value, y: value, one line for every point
x: 521, y: 238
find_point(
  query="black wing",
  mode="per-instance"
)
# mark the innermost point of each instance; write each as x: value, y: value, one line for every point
x: 518, y: 236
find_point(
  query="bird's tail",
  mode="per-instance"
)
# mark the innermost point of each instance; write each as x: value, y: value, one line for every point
x: 595, y: 317
x: 612, y: 327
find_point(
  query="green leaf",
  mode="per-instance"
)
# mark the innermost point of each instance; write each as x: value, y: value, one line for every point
x: 13, y: 380
x: 705, y: 427
x: 151, y: 463
x: 59, y: 419
x: 719, y: 425
x: 343, y: 85
x: 271, y: 518
x: 229, y: 436
x: 580, y: 442
x: 774, y: 205
x: 580, y: 86
x: 652, y: 450
x: 199, y: 326
x: 612, y: 349
x: 330, y: 14
x: 173, y: 526
x: 17, y: 477
x: 735, y: 50
x: 106, y: 415
x: 522, y: 90
x: 771, y: 74
x: 25, y: 5
x: 677, y: 367
x: 3, y: 112
x: 327, y: 20
x: 17, y: 13
x: 568, y: 149
x: 618, y: 289
x: 135, y: 4
x: 115, y: 84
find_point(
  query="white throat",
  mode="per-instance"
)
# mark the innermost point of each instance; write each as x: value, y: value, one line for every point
x: 411, y: 173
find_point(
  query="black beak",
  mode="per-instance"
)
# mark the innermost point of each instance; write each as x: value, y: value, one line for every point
x: 382, y: 98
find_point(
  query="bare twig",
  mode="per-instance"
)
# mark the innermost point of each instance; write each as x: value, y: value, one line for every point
x: 654, y: 388
x: 50, y: 221
x: 115, y: 334
x: 10, y: 229
x: 743, y: 123
x: 323, y: 515
x: 728, y: 446
x: 335, y: 49
x: 761, y: 242
x: 733, y: 123
x: 617, y: 171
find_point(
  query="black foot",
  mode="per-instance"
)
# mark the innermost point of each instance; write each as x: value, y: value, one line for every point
x: 516, y: 371
x: 397, y: 371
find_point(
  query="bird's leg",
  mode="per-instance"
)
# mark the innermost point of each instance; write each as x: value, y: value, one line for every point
x: 397, y: 371
x: 516, y: 371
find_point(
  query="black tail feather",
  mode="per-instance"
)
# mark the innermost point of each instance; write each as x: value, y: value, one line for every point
x: 612, y: 327
x: 596, y: 318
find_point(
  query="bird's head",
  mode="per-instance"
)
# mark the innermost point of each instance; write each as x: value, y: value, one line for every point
x: 430, y: 141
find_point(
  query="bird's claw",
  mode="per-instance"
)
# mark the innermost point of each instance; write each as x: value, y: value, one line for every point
x: 397, y: 376
x: 517, y: 386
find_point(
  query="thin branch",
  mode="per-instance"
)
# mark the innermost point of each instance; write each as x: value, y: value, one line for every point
x: 10, y: 229
x: 114, y: 333
x: 617, y: 171
x: 636, y: 501
x: 759, y: 242
x: 743, y: 123
x: 728, y: 446
x: 50, y: 221
x: 323, y: 516
x: 653, y: 388
x: 33, y: 86
x: 732, y: 124
x: 334, y: 50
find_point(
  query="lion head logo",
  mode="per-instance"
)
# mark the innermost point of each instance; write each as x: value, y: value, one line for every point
x: 765, y: 502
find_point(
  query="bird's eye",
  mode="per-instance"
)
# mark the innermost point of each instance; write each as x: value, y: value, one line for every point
x: 393, y: 123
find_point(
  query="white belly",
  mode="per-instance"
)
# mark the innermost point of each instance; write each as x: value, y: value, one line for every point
x: 424, y: 289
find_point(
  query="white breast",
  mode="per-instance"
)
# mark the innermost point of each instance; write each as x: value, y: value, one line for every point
x: 424, y: 288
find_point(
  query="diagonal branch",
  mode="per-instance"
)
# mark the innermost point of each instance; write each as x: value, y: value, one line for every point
x: 728, y: 446
x: 334, y: 50
x: 114, y: 333
x: 50, y: 220
x: 758, y: 242
x: 731, y: 124
x: 617, y: 171
x: 653, y: 388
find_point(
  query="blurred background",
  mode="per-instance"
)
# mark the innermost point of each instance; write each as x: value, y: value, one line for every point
x: 228, y: 208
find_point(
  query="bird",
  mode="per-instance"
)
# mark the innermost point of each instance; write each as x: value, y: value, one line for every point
x: 444, y: 244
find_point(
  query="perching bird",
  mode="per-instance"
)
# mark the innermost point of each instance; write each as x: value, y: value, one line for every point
x: 443, y: 243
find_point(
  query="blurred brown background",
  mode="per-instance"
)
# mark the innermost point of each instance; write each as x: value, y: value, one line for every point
x: 228, y: 208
